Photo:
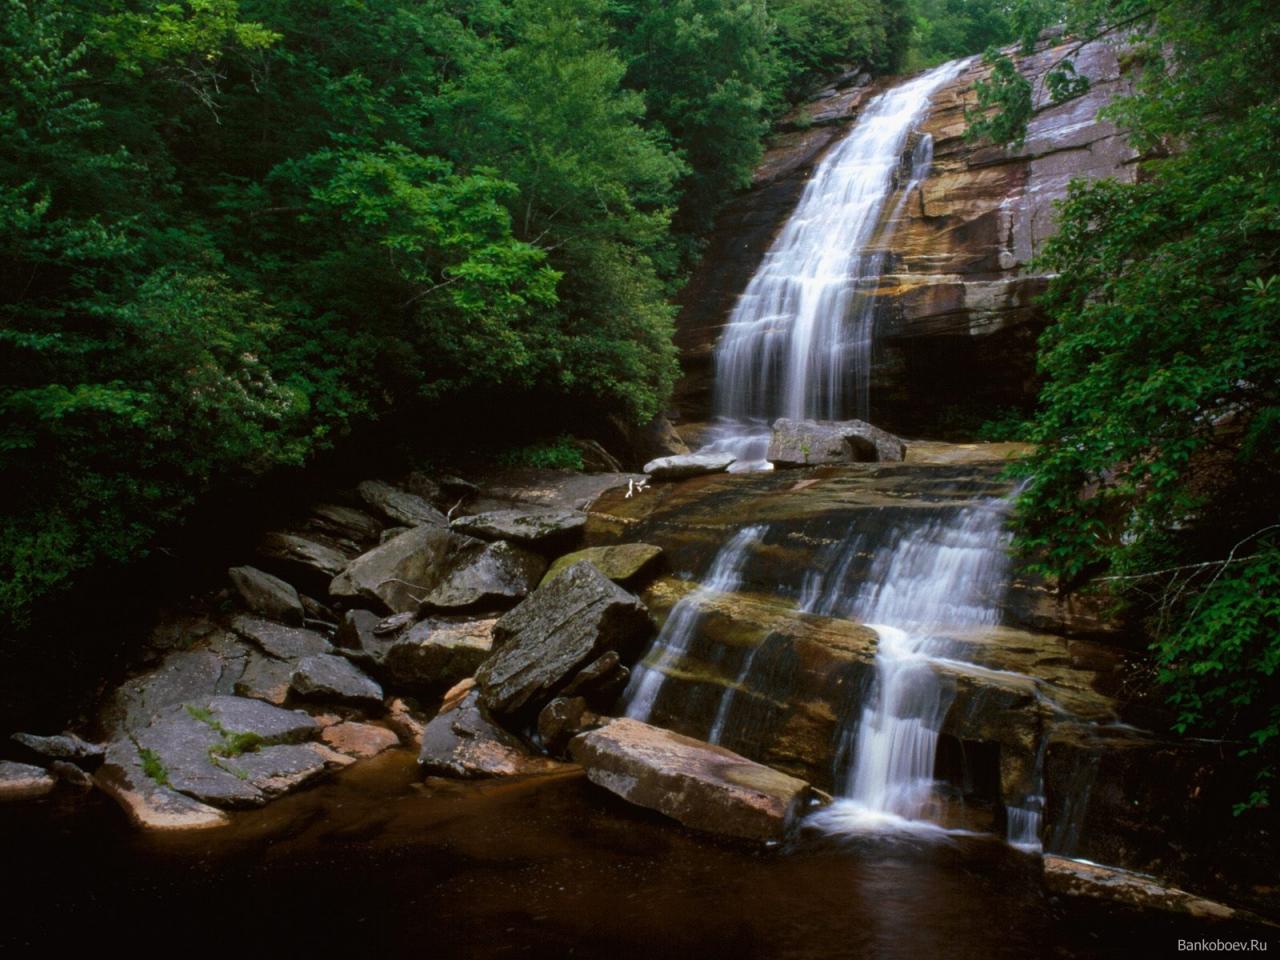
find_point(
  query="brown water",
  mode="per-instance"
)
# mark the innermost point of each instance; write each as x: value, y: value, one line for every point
x: 376, y: 863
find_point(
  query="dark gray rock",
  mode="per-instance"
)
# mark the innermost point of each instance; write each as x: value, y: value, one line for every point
x: 265, y: 678
x: 22, y: 781
x: 397, y: 575
x: 429, y: 657
x: 688, y: 465
x: 541, y: 526
x: 701, y: 785
x: 304, y: 560
x: 345, y: 523
x: 561, y: 720
x: 182, y: 677
x: 556, y: 632
x: 73, y: 776
x: 229, y: 751
x: 399, y: 507
x: 463, y: 742
x: 327, y: 677
x: 393, y: 624
x: 601, y: 682
x: 481, y: 575
x: 281, y: 642
x: 434, y: 654
x: 798, y: 443
x: 64, y: 746
x: 267, y: 595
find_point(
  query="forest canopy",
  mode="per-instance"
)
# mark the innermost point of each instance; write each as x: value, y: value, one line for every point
x: 234, y: 231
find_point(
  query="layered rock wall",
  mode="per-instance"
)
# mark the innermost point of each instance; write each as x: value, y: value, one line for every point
x: 955, y: 325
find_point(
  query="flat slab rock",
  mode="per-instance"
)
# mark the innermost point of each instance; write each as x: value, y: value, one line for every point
x: 1083, y: 879
x: 538, y: 525
x: 699, y: 784
x: 329, y: 677
x: 62, y: 746
x: 22, y: 781
x: 463, y: 742
x: 267, y: 595
x: 278, y: 640
x: 620, y: 563
x: 558, y: 630
x: 798, y: 443
x: 688, y: 465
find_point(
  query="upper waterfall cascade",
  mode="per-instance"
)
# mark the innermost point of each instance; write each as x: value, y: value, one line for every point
x: 798, y: 343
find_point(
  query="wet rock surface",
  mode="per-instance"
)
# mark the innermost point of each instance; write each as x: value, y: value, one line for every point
x: 621, y: 563
x: 553, y: 634
x: 955, y: 306
x: 462, y: 741
x: 702, y: 786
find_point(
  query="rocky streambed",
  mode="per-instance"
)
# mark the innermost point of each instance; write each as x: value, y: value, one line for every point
x: 489, y: 630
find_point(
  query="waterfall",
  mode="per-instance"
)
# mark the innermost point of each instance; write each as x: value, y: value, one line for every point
x: 798, y: 343
x: 949, y: 572
x: 672, y: 641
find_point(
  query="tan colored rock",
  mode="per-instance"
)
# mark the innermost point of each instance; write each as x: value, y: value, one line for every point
x: 1080, y: 878
x: 23, y: 781
x: 701, y: 785
x: 359, y: 740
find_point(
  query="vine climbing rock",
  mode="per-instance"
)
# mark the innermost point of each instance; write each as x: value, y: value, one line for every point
x: 798, y: 443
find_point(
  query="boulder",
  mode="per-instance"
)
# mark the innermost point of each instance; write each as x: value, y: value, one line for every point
x: 22, y: 781
x: 396, y: 575
x: 701, y: 785
x: 621, y: 562
x: 281, y: 642
x: 556, y: 632
x: 688, y: 465
x: 463, y: 742
x: 798, y: 443
x: 307, y: 561
x: 436, y: 654
x: 399, y: 507
x: 563, y: 719
x: 480, y: 575
x: 431, y: 568
x: 329, y: 677
x: 430, y: 656
x: 600, y: 682
x: 535, y: 526
x: 64, y: 746
x: 359, y: 740
x: 267, y: 595
x: 345, y: 523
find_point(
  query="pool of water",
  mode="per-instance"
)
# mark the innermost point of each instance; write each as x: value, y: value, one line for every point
x: 380, y: 864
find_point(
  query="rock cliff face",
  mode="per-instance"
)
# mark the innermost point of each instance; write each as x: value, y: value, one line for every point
x: 955, y: 310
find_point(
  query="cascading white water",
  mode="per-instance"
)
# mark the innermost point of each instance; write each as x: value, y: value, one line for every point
x: 947, y: 573
x: 672, y: 641
x: 798, y: 342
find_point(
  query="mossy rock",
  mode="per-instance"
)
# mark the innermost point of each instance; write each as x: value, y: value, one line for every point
x: 621, y: 563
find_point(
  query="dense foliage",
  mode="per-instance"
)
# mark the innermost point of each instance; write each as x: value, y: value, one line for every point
x: 236, y: 230
x: 1158, y: 461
